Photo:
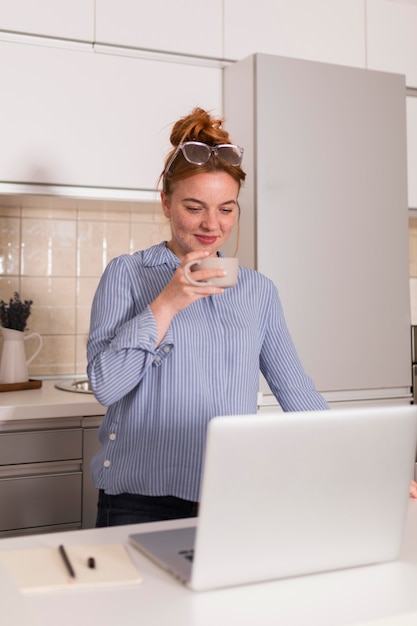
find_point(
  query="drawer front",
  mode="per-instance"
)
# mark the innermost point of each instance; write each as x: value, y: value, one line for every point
x: 40, y: 501
x: 40, y: 446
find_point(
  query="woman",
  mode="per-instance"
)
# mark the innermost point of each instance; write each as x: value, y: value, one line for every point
x: 166, y: 356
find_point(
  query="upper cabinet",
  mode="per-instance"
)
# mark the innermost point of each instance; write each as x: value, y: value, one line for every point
x: 392, y: 37
x: 76, y: 117
x: 67, y: 19
x: 332, y: 31
x: 182, y: 26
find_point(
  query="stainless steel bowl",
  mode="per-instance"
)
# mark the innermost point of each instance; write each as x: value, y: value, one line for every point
x: 76, y: 386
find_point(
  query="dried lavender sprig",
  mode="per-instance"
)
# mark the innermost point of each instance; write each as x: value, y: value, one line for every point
x: 14, y: 315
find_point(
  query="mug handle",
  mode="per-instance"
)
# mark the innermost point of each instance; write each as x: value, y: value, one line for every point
x: 35, y: 354
x: 196, y: 283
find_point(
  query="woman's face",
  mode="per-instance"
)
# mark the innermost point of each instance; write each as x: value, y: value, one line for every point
x: 203, y: 210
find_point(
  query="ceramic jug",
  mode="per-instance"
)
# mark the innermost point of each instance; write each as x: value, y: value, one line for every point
x: 13, y: 366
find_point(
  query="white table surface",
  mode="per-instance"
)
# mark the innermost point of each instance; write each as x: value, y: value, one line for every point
x: 356, y: 596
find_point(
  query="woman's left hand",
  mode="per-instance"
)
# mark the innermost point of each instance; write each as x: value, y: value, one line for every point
x: 413, y: 489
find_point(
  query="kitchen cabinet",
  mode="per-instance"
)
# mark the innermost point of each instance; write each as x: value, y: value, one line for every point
x: 40, y: 479
x: 324, y: 214
x: 75, y: 117
x: 391, y: 37
x: 45, y: 480
x: 323, y: 30
x: 412, y: 151
x: 161, y: 25
x: 68, y: 19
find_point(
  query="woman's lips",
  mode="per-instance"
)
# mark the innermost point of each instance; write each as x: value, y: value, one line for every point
x: 206, y: 239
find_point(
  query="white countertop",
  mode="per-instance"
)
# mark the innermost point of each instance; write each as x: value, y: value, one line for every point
x: 362, y: 595
x: 47, y: 402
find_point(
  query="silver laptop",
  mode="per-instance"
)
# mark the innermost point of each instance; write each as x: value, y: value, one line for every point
x: 287, y: 494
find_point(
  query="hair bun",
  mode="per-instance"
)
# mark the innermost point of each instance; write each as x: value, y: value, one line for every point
x: 199, y: 125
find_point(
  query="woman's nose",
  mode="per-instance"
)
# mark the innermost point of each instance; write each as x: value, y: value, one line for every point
x: 210, y: 221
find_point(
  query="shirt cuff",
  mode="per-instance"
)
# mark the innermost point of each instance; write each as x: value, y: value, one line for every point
x: 141, y: 332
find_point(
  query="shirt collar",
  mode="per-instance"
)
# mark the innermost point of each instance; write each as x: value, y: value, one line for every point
x: 160, y: 255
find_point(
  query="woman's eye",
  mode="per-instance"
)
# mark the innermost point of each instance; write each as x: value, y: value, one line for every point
x: 226, y: 210
x: 193, y: 209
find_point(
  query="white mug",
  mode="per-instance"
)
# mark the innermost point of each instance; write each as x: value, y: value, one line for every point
x: 229, y: 264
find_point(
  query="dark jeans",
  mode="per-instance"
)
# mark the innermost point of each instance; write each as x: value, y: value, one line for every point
x: 127, y: 508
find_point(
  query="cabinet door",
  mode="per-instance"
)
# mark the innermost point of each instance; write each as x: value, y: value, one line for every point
x: 330, y: 226
x: 40, y: 446
x: 323, y: 30
x: 36, y: 501
x: 81, y: 118
x: 73, y: 20
x: 162, y: 25
x: 391, y: 37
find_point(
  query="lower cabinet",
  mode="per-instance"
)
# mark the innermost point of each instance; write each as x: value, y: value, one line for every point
x: 45, y: 481
x: 91, y: 445
x: 40, y: 502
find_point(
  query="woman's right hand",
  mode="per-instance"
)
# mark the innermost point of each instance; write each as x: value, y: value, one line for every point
x: 179, y: 293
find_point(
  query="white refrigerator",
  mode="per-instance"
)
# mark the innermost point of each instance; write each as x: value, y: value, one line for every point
x: 324, y: 214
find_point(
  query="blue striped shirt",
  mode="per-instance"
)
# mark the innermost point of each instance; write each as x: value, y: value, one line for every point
x: 160, y: 399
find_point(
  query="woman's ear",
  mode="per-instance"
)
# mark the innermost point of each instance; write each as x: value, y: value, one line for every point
x: 165, y: 204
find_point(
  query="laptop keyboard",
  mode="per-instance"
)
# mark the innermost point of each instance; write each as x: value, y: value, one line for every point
x: 187, y: 554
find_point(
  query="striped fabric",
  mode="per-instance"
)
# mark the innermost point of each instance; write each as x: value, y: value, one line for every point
x: 160, y: 399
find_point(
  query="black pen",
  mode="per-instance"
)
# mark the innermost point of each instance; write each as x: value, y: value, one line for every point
x: 66, y: 560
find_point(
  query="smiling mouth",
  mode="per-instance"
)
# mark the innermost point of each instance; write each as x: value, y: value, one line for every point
x: 207, y: 238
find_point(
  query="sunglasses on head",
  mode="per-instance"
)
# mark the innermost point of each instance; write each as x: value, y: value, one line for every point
x: 199, y: 153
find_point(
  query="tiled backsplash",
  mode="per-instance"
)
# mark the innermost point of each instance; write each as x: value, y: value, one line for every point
x: 53, y: 251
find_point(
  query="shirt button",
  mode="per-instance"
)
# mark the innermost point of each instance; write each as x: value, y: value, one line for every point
x: 167, y: 349
x: 157, y: 359
x: 112, y: 437
x: 106, y: 463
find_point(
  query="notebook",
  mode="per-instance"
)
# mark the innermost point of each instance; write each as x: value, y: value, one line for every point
x: 43, y: 569
x: 288, y: 494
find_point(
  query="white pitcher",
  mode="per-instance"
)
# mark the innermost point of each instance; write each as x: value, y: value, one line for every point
x: 13, y: 366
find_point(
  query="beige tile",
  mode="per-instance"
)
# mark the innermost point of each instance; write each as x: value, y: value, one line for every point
x: 106, y: 212
x: 9, y: 211
x: 413, y: 300
x: 98, y: 243
x: 145, y: 210
x: 56, y: 357
x: 48, y: 247
x: 45, y: 212
x: 86, y: 288
x: 81, y: 355
x: 52, y: 206
x: 82, y: 319
x: 412, y: 224
x: 9, y: 245
x: 8, y: 285
x: 53, y: 309
x: 148, y: 232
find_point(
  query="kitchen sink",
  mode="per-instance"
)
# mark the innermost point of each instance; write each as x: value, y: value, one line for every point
x: 76, y: 386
